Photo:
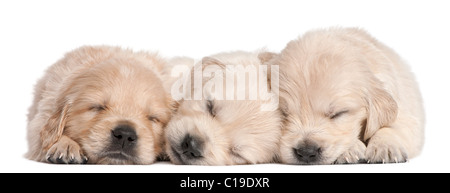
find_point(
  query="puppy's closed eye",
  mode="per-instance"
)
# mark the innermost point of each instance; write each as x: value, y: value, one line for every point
x: 97, y: 108
x: 153, y: 118
x: 210, y: 107
x: 338, y: 114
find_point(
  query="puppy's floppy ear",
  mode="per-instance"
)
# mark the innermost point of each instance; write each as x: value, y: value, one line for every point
x: 173, y: 107
x: 266, y: 56
x: 284, y: 110
x: 382, y: 109
x: 206, y: 61
x: 210, y: 64
x: 54, y: 127
x: 174, y: 104
x: 213, y: 76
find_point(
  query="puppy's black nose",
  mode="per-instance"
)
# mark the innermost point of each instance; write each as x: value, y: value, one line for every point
x: 308, y: 153
x: 192, y: 147
x: 124, y: 136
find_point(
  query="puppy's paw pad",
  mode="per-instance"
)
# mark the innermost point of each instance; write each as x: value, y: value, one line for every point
x: 353, y: 155
x: 382, y: 150
x: 66, y: 151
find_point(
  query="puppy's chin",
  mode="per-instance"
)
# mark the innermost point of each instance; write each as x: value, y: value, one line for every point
x: 118, y: 159
x: 292, y: 160
x: 114, y: 161
x: 178, y: 158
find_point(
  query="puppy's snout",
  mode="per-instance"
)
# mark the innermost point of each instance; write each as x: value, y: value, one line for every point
x: 307, y: 153
x: 192, y: 147
x: 124, y: 136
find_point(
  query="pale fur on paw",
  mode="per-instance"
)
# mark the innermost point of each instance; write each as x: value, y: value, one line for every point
x: 353, y: 155
x: 66, y: 151
x: 385, y: 147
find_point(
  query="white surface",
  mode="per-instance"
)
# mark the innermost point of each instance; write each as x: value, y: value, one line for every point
x: 35, y: 34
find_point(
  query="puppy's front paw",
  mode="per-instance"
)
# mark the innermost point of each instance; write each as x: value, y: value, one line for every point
x: 385, y: 147
x: 353, y: 155
x: 66, y: 151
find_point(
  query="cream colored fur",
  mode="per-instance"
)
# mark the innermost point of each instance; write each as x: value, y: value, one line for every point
x: 238, y: 133
x: 86, y: 94
x: 346, y: 71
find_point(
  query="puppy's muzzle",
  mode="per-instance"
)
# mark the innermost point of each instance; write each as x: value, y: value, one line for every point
x: 191, y: 147
x: 308, y: 153
x: 123, y: 142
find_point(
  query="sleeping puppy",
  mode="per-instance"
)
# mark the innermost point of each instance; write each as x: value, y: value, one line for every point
x: 99, y: 105
x: 219, y: 128
x: 346, y: 98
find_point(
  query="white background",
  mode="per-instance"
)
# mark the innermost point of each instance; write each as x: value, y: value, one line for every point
x: 35, y: 34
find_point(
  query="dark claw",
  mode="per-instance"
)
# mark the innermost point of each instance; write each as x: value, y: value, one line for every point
x: 405, y: 157
x: 85, y: 160
x: 60, y: 160
x: 49, y: 159
x: 362, y: 161
x: 71, y: 161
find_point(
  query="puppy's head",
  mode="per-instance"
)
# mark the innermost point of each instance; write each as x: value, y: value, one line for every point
x: 330, y: 99
x: 115, y: 111
x: 210, y: 131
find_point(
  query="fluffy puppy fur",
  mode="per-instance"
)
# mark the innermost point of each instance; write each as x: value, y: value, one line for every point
x: 223, y: 132
x: 99, y: 105
x: 346, y: 98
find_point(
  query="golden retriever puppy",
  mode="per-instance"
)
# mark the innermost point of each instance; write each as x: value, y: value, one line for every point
x: 346, y: 98
x: 217, y: 121
x: 99, y: 105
